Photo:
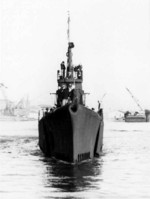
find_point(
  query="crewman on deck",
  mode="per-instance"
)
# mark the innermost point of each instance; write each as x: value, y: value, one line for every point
x: 70, y: 88
x: 65, y: 95
x: 63, y: 68
x: 46, y: 111
x: 62, y: 95
x: 78, y: 71
x: 58, y: 74
x: 59, y: 96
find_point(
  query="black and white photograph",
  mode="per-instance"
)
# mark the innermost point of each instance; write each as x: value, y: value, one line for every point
x: 74, y: 99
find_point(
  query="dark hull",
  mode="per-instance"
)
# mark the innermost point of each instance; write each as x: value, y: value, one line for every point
x: 135, y: 119
x: 72, y: 133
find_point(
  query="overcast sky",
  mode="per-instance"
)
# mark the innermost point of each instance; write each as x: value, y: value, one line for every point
x: 112, y: 42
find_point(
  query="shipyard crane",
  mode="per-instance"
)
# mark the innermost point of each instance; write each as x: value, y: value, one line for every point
x: 135, y: 100
x: 2, y: 88
x: 8, y: 105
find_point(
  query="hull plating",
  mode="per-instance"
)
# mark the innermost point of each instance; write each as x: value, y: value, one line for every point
x: 72, y: 133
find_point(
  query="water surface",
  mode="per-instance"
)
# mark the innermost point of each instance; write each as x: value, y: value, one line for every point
x: 123, y: 170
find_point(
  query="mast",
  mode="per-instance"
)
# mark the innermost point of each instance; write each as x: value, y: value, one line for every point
x: 68, y: 30
x: 69, y: 73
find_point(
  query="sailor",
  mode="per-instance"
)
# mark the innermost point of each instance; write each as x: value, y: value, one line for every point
x: 59, y: 96
x: 46, y: 111
x: 62, y: 95
x: 75, y: 72
x: 52, y: 109
x: 70, y: 88
x: 58, y: 74
x: 69, y: 73
x: 79, y: 72
x: 63, y: 68
x: 65, y: 95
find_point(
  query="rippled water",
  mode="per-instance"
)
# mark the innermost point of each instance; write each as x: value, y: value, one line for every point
x: 123, y: 170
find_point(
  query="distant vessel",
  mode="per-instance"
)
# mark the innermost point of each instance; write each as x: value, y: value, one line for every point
x: 137, y: 116
x: 71, y: 131
x: 119, y: 116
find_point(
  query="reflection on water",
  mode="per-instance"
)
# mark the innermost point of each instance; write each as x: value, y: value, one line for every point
x: 121, y: 172
x: 72, y: 178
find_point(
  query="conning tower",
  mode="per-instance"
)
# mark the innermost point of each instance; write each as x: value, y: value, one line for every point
x: 70, y: 79
x: 70, y: 74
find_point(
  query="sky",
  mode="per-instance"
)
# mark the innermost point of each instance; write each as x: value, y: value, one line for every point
x: 112, y: 42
